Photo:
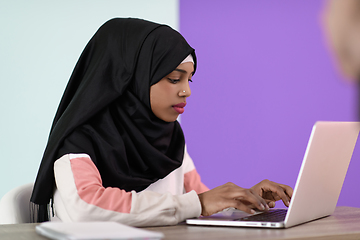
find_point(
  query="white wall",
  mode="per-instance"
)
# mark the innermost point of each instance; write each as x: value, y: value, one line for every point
x: 40, y: 42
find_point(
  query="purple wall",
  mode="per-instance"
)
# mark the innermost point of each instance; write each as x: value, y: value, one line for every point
x: 264, y: 77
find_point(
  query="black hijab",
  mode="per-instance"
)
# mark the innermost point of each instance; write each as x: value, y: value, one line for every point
x: 105, y: 110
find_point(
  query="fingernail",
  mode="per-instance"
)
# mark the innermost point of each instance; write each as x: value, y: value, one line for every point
x: 252, y: 211
x: 262, y: 207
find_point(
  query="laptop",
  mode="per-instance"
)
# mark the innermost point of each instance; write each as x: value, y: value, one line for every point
x: 318, y: 185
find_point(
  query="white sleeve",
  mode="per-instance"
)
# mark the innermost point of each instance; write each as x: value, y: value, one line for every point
x: 80, y: 196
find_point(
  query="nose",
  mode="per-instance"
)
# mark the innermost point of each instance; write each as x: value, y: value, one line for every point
x: 185, y: 90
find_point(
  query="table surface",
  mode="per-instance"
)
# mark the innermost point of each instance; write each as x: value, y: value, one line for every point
x: 343, y: 224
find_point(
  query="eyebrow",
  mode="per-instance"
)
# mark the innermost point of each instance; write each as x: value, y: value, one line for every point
x: 182, y: 71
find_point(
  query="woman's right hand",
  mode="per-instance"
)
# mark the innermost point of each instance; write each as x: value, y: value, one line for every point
x: 231, y: 195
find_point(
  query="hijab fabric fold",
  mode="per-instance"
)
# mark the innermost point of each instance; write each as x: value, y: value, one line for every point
x: 105, y: 110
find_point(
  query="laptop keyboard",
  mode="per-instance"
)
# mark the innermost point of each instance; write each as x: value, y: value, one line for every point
x: 274, y: 215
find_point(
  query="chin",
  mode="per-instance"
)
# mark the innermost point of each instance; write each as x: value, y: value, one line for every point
x: 170, y: 119
x: 167, y: 117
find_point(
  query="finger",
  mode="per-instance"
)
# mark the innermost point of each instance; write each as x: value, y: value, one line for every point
x: 271, y: 204
x: 275, y: 197
x: 288, y: 190
x: 249, y: 197
x: 278, y: 192
x: 240, y: 205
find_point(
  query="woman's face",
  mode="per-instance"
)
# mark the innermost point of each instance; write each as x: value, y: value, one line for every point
x: 168, y: 96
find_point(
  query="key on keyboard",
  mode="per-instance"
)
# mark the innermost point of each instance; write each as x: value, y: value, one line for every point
x: 274, y: 215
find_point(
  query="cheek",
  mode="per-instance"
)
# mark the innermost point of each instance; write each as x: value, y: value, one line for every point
x: 158, y: 97
x: 153, y: 98
x: 162, y: 92
x: 163, y: 95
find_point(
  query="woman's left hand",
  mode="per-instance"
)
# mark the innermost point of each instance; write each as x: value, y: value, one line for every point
x: 272, y: 192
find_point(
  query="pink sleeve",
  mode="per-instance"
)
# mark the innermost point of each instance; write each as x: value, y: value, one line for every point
x: 192, y: 181
x: 90, y: 189
x: 80, y: 196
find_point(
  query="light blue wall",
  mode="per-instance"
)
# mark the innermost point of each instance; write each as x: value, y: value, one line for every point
x: 40, y: 42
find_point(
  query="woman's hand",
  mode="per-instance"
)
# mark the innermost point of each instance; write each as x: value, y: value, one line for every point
x: 261, y: 196
x: 230, y: 195
x: 272, y: 192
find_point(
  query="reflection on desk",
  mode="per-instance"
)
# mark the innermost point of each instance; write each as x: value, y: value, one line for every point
x: 343, y: 224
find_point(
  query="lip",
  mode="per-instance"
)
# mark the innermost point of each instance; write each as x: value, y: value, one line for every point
x: 179, y: 107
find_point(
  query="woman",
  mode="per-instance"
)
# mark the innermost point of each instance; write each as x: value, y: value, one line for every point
x: 115, y: 150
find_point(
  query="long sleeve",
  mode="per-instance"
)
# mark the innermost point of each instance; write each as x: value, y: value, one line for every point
x: 192, y: 180
x: 80, y: 196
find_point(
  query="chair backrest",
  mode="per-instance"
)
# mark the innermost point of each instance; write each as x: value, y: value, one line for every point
x: 15, y: 205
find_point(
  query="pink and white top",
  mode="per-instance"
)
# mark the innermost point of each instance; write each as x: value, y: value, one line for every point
x: 80, y: 195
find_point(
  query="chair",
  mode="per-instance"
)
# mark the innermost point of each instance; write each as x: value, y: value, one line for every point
x: 15, y: 205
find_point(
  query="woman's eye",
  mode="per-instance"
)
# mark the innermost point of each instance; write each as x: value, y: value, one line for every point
x: 174, y: 80
x: 190, y: 80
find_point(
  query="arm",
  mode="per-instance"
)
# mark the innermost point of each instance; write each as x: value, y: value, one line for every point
x: 192, y: 180
x: 84, y: 198
x: 262, y: 196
